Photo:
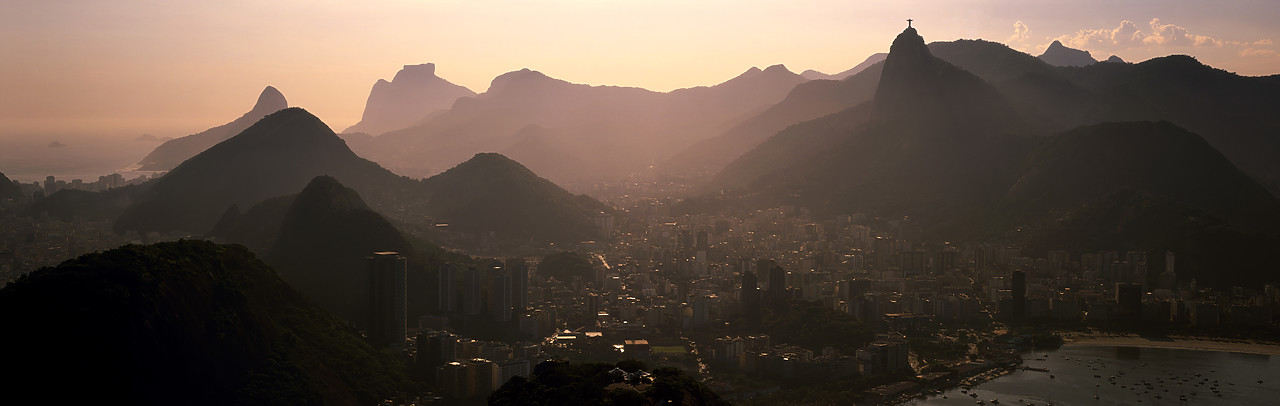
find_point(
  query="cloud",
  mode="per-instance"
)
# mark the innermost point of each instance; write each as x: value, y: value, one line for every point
x: 1262, y: 42
x: 1169, y: 34
x: 1247, y: 52
x: 1126, y: 35
x: 1021, y: 33
x: 1130, y: 35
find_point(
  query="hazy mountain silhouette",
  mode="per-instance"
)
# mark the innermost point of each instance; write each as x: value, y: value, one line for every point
x: 413, y: 94
x: 941, y: 144
x: 636, y: 126
x: 490, y: 192
x: 871, y: 60
x: 1158, y: 159
x: 806, y: 101
x: 1039, y: 92
x: 191, y: 320
x: 544, y: 152
x: 1114, y: 59
x: 935, y: 139
x: 276, y: 156
x: 1059, y: 55
x: 8, y: 190
x: 172, y: 152
x: 1231, y: 112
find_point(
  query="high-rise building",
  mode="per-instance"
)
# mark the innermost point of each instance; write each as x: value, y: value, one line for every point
x: 777, y: 280
x: 387, y: 295
x: 1019, y: 300
x: 701, y: 310
x: 445, y: 289
x: 1129, y: 301
x: 912, y: 263
x: 519, y: 271
x: 500, y: 294
x: 482, y: 378
x: 471, y: 292
x: 1168, y: 279
x: 452, y: 379
x: 1137, y: 261
x: 750, y: 297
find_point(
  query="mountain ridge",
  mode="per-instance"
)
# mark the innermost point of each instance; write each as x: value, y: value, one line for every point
x: 412, y: 94
x: 171, y: 153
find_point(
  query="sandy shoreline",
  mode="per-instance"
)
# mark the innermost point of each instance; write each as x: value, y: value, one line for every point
x: 1174, y: 342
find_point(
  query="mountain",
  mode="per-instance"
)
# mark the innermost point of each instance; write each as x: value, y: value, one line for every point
x: 1041, y: 93
x: 543, y: 152
x: 1231, y: 112
x: 208, y: 324
x: 871, y: 60
x: 318, y: 240
x: 942, y: 144
x: 321, y: 246
x: 256, y: 228
x: 638, y: 127
x: 171, y: 153
x: 410, y: 96
x: 276, y: 156
x: 935, y: 140
x: 492, y: 193
x: 1059, y: 55
x: 1114, y: 59
x: 807, y: 101
x: 9, y: 190
x: 1155, y: 158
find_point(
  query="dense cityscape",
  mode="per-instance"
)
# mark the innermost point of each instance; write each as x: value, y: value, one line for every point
x: 708, y: 294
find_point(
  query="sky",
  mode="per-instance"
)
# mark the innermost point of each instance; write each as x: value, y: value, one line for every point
x: 118, y: 69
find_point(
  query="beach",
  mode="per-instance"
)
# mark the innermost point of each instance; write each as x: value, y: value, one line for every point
x: 1173, y: 342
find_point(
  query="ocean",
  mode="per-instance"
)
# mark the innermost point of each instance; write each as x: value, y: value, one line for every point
x: 1083, y: 375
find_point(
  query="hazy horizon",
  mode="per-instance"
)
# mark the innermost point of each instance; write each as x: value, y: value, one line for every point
x: 121, y: 69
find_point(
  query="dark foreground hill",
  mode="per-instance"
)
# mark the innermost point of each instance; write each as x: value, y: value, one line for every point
x: 561, y: 383
x: 8, y: 190
x: 171, y: 153
x: 186, y: 322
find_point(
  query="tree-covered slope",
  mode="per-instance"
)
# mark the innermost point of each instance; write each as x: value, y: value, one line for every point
x: 186, y: 322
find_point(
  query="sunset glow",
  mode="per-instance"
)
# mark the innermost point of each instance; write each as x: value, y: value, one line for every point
x: 123, y: 68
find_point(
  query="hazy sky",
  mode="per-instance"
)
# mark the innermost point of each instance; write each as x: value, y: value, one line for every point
x: 171, y: 67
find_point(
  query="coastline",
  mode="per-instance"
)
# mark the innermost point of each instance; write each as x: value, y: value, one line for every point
x: 1173, y: 342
